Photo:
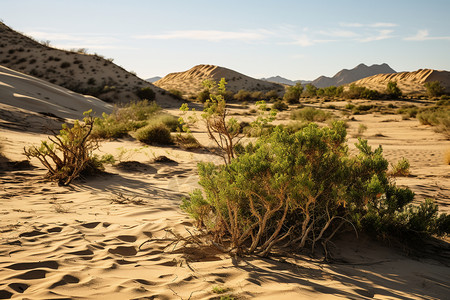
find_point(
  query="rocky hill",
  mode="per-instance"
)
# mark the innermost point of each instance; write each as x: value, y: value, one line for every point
x: 408, y: 82
x: 347, y: 76
x: 190, y: 82
x: 75, y: 70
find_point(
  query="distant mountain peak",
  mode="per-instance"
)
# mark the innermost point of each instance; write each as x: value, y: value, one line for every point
x: 346, y: 76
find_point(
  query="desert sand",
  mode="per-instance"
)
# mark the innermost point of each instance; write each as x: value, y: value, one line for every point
x: 112, y: 236
x: 120, y: 235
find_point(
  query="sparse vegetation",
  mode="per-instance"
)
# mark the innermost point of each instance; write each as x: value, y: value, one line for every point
x: 311, y: 114
x: 146, y: 93
x: 434, y: 88
x: 360, y: 92
x: 128, y: 118
x: 177, y: 94
x: 438, y: 116
x: 279, y: 105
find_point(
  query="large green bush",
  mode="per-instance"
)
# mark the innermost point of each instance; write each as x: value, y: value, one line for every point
x: 300, y: 189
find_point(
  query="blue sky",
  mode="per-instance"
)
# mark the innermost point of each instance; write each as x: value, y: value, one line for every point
x: 293, y: 39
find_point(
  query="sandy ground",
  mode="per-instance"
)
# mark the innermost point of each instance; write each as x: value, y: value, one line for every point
x: 111, y: 237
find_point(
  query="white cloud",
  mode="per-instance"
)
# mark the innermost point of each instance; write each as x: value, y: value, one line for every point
x: 339, y: 33
x: 423, y: 35
x: 209, y: 35
x: 382, y: 35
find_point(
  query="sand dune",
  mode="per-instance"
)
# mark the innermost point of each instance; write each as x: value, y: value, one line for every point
x: 25, y: 100
x: 190, y: 82
x: 112, y: 237
x: 77, y: 71
x: 408, y: 82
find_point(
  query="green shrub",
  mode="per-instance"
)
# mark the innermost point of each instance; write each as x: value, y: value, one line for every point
x: 437, y: 116
x: 434, y: 88
x: 310, y: 90
x: 311, y: 114
x: 293, y: 93
x: 203, y: 96
x: 186, y: 141
x: 154, y: 134
x: 279, y: 105
x: 128, y: 118
x: 360, y: 92
x: 408, y: 112
x: 176, y: 94
x: 170, y: 121
x: 401, y: 168
x: 272, y: 94
x: 392, y: 90
x: 69, y: 153
x: 243, y: 95
x: 301, y: 189
x: 146, y: 93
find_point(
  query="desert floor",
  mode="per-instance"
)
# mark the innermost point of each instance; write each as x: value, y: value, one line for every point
x: 111, y: 237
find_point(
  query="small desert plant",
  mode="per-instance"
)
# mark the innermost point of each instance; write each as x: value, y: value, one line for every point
x: 170, y: 121
x: 203, y: 95
x: 439, y: 117
x: 311, y: 114
x: 243, y: 95
x: 70, y: 151
x: 272, y: 94
x: 279, y: 105
x: 220, y: 290
x: 392, y: 90
x: 177, y: 94
x: 154, y: 134
x: 434, y: 88
x: 186, y: 141
x: 145, y: 93
x: 401, y: 168
x: 361, y: 129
